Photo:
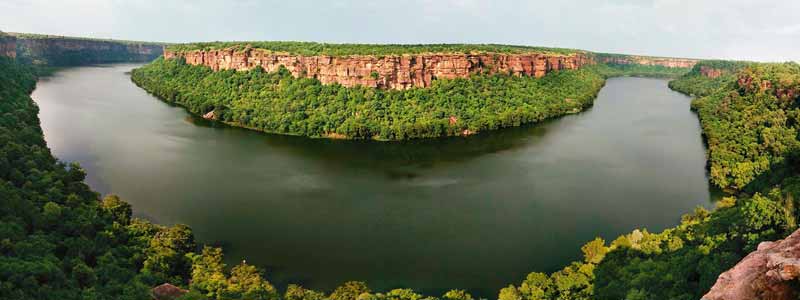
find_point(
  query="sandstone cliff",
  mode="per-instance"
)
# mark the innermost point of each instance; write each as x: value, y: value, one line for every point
x: 647, y: 60
x: 68, y: 51
x: 769, y: 273
x: 391, y: 71
x: 8, y: 45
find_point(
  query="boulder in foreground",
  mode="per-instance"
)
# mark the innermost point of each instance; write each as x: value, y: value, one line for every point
x: 768, y: 273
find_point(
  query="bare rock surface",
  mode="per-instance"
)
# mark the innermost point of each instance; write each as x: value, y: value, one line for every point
x: 391, y: 71
x: 167, y: 292
x: 766, y: 274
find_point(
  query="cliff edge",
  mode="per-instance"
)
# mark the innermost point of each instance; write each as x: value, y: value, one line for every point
x: 399, y: 72
x: 769, y: 273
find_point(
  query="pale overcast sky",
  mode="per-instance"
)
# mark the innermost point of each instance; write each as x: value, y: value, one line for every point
x: 732, y: 29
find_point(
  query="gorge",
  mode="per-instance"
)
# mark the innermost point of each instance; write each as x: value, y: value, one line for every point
x: 316, y: 212
x: 632, y: 158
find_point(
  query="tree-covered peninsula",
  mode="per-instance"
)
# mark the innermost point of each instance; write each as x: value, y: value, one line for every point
x: 278, y: 102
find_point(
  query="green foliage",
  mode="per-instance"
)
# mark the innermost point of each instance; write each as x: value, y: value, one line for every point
x: 280, y: 103
x: 694, y: 83
x: 245, y: 282
x: 749, y: 121
x: 351, y: 290
x: 36, y: 36
x: 751, y: 125
x: 637, y: 70
x: 58, y: 240
x: 311, y: 48
x: 60, y: 51
x: 457, y: 295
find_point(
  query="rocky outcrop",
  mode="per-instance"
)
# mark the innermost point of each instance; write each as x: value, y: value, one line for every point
x: 647, y: 60
x: 8, y: 45
x: 769, y: 273
x: 389, y: 72
x: 711, y: 72
x: 68, y: 51
x: 167, y: 292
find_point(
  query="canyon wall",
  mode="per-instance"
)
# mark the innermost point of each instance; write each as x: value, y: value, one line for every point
x: 67, y: 51
x: 389, y: 72
x: 647, y: 60
x: 8, y: 45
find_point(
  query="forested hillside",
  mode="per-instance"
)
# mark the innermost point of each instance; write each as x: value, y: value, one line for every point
x: 278, y: 102
x: 59, y: 240
x: 707, y: 76
x: 751, y: 128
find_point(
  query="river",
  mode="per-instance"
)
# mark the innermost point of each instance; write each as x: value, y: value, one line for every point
x: 475, y: 213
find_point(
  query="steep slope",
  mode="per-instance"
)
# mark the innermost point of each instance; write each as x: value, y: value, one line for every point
x: 751, y: 121
x: 58, y: 51
x: 279, y: 102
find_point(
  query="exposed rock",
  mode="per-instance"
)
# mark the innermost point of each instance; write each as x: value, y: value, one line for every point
x: 8, y: 45
x: 766, y: 274
x: 453, y: 120
x: 649, y: 61
x: 710, y: 72
x: 69, y: 51
x: 393, y: 71
x: 167, y: 292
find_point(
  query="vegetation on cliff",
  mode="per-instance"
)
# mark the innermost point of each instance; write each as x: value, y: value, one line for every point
x: 696, y: 83
x: 312, y: 48
x: 60, y: 51
x: 36, y: 36
x: 751, y: 126
x: 280, y: 103
x: 637, y: 70
x: 59, y: 240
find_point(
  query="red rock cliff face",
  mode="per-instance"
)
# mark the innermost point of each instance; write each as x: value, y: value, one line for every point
x: 649, y: 61
x: 710, y: 72
x: 768, y: 273
x: 8, y: 46
x: 390, y: 72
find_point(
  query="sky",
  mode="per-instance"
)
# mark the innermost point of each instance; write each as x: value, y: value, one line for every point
x: 760, y: 30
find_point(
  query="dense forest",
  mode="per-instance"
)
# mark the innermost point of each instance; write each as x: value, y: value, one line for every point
x: 751, y: 128
x: 278, y: 102
x: 312, y: 48
x: 695, y: 83
x: 60, y: 240
x: 64, y: 51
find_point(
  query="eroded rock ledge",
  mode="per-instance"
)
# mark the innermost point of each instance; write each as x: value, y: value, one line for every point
x: 389, y: 72
x: 8, y: 45
x: 669, y: 62
x: 766, y: 274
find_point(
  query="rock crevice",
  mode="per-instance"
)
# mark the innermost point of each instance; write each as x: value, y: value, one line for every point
x: 389, y: 72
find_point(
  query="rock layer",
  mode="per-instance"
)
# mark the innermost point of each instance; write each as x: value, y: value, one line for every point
x: 67, y: 51
x: 389, y: 72
x: 648, y: 61
x: 711, y: 72
x: 766, y: 274
x: 8, y: 45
